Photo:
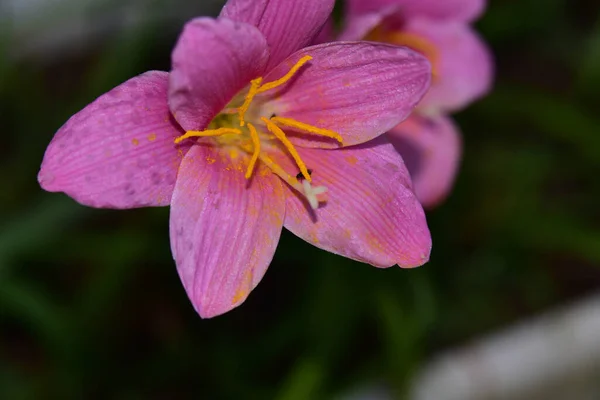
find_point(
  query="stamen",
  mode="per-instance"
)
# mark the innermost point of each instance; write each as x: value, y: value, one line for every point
x: 305, y: 188
x: 256, y: 143
x: 207, y: 132
x: 280, y: 172
x: 279, y: 134
x: 292, y: 123
x: 254, y: 86
x: 286, y: 77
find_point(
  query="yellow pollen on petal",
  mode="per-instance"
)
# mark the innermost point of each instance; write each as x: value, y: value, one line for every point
x: 208, y: 132
x: 244, y: 288
x: 255, y: 154
x: 254, y: 86
x: 279, y: 134
x: 292, y: 123
x: 286, y: 77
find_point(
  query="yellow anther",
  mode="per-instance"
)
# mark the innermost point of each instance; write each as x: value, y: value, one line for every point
x: 208, y: 132
x: 256, y: 143
x: 279, y: 134
x: 286, y: 77
x: 292, y: 123
x: 254, y: 85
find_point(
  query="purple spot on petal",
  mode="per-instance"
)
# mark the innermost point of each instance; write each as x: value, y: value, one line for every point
x: 129, y: 190
x: 155, y: 178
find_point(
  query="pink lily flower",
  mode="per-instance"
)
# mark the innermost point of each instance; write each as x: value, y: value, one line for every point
x: 440, y: 10
x: 252, y: 131
x: 462, y: 72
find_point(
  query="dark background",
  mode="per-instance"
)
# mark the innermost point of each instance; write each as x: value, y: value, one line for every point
x: 91, y: 304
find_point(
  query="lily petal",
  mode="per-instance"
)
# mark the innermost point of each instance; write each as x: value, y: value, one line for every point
x: 370, y: 215
x: 358, y: 26
x: 456, y: 10
x: 212, y: 61
x: 224, y: 229
x: 327, y: 33
x: 287, y: 25
x: 118, y: 152
x: 357, y: 89
x: 464, y: 67
x: 431, y: 148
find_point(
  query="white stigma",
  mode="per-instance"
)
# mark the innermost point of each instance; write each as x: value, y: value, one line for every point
x: 311, y: 193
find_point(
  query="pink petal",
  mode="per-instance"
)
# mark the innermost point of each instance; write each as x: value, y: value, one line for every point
x: 224, y: 229
x: 431, y: 148
x: 457, y: 10
x: 327, y: 33
x: 287, y: 25
x: 463, y: 72
x: 118, y: 152
x: 212, y: 61
x: 357, y: 89
x: 358, y: 26
x: 370, y: 214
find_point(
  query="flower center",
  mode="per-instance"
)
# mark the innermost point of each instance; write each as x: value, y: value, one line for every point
x: 243, y: 125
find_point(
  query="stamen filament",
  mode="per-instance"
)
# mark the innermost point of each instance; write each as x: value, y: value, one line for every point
x: 208, y: 132
x: 255, y: 154
x: 254, y: 86
x: 304, y: 187
x: 286, y: 77
x: 279, y: 134
x: 280, y: 172
x: 292, y: 123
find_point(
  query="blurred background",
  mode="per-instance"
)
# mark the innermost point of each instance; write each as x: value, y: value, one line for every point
x: 91, y: 305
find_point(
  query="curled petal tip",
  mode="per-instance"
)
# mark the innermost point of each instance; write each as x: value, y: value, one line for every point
x: 413, y: 262
x: 45, y: 179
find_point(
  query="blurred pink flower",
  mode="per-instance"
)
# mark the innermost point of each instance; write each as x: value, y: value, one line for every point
x: 248, y: 134
x: 462, y: 72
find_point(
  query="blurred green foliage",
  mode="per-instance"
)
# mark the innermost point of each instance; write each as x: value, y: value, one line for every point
x: 91, y: 305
